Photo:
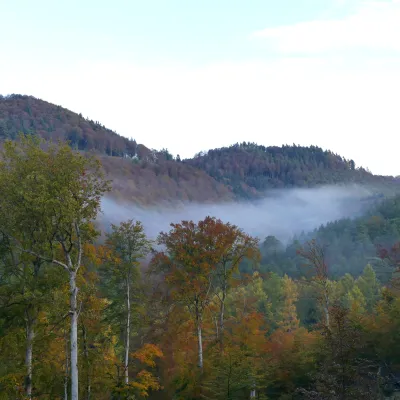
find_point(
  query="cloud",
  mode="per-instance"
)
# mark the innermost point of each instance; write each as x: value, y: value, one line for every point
x: 283, y: 213
x: 374, y: 25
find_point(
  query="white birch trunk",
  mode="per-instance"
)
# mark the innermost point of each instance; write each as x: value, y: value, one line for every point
x: 66, y: 367
x: 200, y: 343
x: 74, y: 335
x: 128, y: 330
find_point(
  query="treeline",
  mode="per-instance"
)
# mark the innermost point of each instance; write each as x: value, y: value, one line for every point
x: 121, y: 318
x: 251, y: 169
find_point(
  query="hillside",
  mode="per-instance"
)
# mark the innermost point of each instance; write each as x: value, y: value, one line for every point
x: 350, y: 244
x: 30, y: 115
x: 145, y: 176
x: 168, y: 182
x: 249, y: 169
x: 139, y: 174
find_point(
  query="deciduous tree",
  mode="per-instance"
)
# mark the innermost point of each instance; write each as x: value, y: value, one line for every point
x: 126, y: 246
x: 189, y: 264
x: 50, y: 196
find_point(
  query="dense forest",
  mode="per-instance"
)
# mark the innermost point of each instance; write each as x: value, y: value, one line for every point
x: 27, y: 114
x: 205, y: 312
x: 349, y: 243
x: 147, y: 176
x: 139, y: 175
x: 250, y: 169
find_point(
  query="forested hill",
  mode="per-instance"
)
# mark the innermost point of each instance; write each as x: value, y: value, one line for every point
x: 147, y: 176
x: 350, y: 244
x: 139, y: 174
x: 30, y: 115
x: 250, y: 169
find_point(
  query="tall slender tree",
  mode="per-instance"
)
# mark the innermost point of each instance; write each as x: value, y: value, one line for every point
x: 127, y: 245
x: 25, y: 289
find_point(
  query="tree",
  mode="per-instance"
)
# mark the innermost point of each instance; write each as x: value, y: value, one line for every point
x: 343, y: 373
x: 231, y: 247
x: 288, y: 320
x: 369, y: 286
x: 50, y: 196
x: 391, y: 257
x: 314, y: 254
x: 188, y: 265
x: 127, y: 245
x: 356, y: 301
x: 25, y: 288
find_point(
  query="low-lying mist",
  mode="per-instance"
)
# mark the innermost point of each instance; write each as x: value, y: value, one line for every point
x: 282, y: 213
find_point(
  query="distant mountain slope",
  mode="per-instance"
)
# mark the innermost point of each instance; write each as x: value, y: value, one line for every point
x: 142, y: 175
x: 139, y: 174
x: 250, y: 169
x: 149, y: 183
x: 28, y: 114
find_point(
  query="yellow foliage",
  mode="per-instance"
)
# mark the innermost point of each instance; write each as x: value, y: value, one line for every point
x: 147, y: 354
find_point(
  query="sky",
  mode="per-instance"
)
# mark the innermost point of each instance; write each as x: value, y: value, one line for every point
x: 192, y: 75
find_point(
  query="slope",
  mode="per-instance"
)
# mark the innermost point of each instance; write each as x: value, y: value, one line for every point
x: 249, y: 169
x: 350, y: 244
x: 139, y: 174
x: 145, y: 176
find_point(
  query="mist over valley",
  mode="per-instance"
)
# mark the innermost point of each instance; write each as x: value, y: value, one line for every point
x: 281, y: 213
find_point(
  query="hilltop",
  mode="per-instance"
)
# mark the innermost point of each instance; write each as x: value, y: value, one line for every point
x: 249, y: 169
x: 147, y: 176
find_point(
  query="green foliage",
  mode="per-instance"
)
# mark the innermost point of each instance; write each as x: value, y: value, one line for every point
x: 29, y: 115
x: 277, y: 340
x: 251, y: 169
x: 125, y: 247
x: 349, y: 244
x: 58, y: 191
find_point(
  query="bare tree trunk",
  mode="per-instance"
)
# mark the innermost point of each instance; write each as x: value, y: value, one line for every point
x: 74, y: 335
x: 128, y: 329
x: 30, y: 334
x: 66, y: 367
x: 200, y: 342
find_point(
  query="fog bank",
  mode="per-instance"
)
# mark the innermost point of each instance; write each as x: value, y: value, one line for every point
x: 282, y: 213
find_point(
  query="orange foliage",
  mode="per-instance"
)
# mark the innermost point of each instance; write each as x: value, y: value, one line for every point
x: 147, y: 354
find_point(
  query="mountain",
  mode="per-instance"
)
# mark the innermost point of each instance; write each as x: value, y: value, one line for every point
x: 149, y: 177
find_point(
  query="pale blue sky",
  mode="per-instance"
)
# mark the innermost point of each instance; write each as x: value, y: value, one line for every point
x: 147, y: 31
x: 193, y: 75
